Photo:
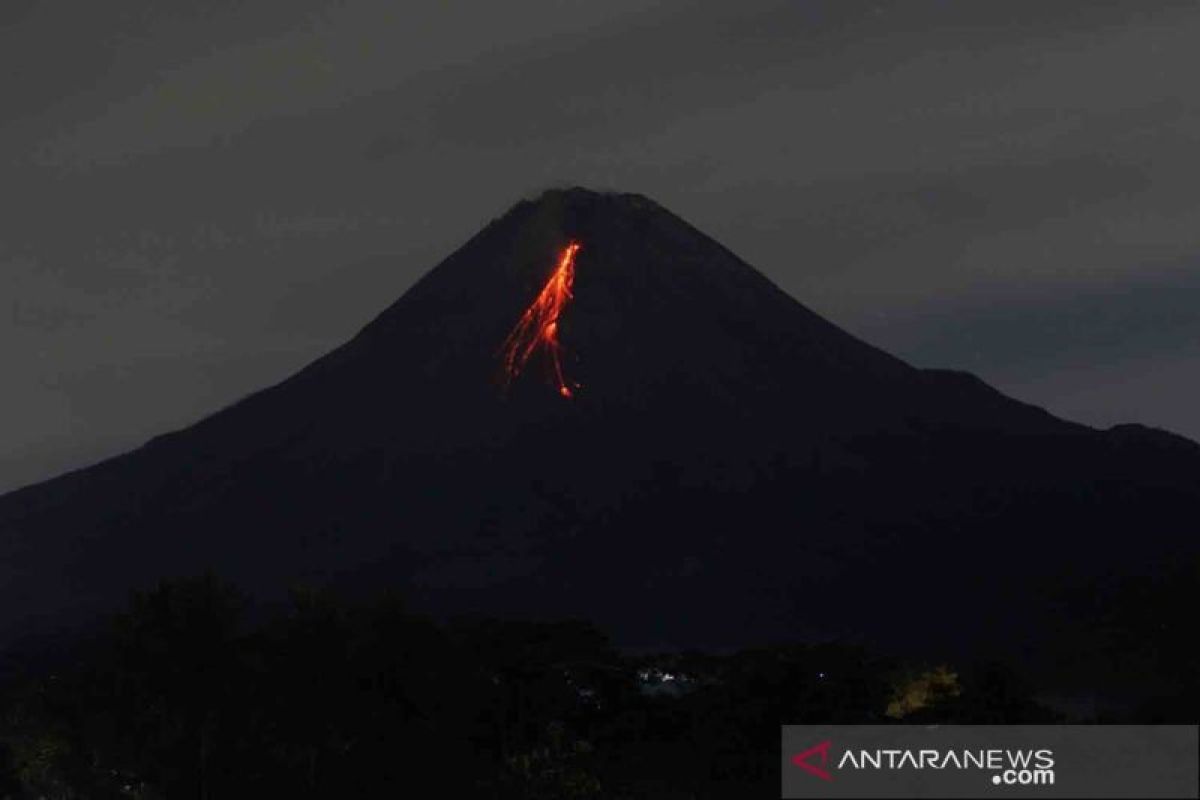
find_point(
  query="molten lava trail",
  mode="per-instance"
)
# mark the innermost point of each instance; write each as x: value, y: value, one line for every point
x: 538, y: 326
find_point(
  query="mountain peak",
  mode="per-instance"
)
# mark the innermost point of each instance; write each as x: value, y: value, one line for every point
x: 653, y: 307
x: 685, y: 453
x: 584, y: 196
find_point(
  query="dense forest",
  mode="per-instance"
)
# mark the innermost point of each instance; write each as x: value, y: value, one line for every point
x: 193, y: 692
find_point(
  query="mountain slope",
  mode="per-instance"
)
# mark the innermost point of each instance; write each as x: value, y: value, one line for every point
x: 731, y: 469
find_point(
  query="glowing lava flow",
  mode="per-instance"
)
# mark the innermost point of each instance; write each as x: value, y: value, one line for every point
x: 538, y: 326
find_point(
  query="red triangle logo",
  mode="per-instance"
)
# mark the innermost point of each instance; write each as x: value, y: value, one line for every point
x: 801, y: 760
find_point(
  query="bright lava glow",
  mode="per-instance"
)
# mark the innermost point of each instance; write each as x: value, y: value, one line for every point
x: 538, y: 326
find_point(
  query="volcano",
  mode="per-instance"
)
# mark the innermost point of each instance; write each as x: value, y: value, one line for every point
x: 687, y: 456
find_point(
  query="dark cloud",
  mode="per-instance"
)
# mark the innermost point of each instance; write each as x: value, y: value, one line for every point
x: 1133, y: 319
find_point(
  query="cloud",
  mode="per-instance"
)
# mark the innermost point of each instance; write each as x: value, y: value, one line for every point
x: 319, y: 60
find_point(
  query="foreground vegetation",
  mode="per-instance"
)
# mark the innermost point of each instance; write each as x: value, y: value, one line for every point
x: 193, y: 694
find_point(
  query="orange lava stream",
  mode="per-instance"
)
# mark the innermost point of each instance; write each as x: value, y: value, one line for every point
x: 538, y: 326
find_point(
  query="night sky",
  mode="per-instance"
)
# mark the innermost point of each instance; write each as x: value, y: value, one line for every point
x: 199, y: 198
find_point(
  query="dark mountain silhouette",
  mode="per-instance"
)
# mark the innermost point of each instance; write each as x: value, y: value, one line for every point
x: 732, y: 469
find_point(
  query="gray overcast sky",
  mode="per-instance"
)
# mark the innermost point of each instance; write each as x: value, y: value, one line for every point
x: 199, y: 198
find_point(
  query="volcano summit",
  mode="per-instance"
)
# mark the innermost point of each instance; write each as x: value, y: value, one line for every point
x: 593, y: 409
